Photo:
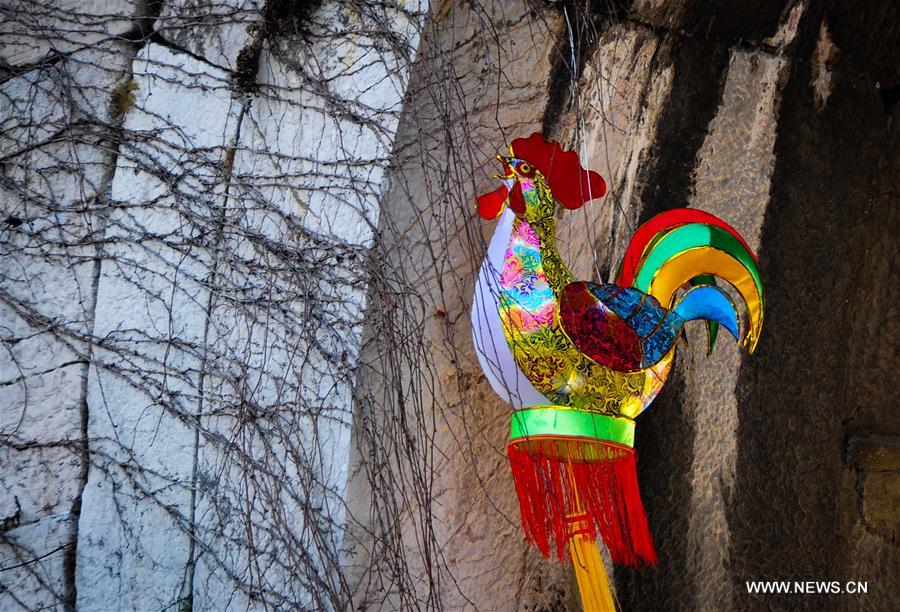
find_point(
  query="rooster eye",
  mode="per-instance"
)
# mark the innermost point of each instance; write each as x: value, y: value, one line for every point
x: 524, y: 168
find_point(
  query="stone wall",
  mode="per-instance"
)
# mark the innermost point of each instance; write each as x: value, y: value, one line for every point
x: 775, y: 466
x: 239, y: 246
x: 189, y: 197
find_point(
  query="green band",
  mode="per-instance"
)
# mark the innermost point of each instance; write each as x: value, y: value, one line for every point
x: 570, y: 422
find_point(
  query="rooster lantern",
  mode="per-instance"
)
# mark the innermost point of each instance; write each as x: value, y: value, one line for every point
x: 579, y: 361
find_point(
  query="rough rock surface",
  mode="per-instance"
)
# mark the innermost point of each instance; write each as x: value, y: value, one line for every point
x: 130, y: 551
x: 135, y: 351
x: 34, y: 31
x: 55, y: 168
x: 710, y: 108
x: 239, y: 243
x: 431, y: 238
x: 743, y: 132
x: 216, y: 32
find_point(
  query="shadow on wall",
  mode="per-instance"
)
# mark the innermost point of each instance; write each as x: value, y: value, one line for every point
x: 818, y: 440
x: 824, y: 374
x: 665, y: 435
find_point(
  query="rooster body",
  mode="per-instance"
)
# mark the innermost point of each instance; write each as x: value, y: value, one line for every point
x: 539, y: 304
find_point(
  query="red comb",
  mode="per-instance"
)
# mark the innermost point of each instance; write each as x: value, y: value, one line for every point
x: 571, y: 184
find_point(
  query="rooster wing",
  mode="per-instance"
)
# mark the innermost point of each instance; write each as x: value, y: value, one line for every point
x: 620, y: 328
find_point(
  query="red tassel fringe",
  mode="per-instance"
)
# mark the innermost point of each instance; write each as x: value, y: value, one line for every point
x: 592, y: 484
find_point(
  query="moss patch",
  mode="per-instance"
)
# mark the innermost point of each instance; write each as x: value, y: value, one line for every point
x: 123, y: 98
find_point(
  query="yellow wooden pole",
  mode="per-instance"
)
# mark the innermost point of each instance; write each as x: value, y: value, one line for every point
x: 593, y: 584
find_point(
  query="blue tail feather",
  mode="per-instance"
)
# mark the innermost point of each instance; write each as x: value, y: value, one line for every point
x: 712, y: 328
x: 710, y: 304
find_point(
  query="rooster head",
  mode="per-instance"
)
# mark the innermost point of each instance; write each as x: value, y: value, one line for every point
x: 536, y: 167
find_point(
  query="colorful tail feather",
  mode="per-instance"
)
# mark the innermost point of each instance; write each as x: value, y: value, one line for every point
x: 708, y: 303
x: 712, y: 328
x: 673, y: 249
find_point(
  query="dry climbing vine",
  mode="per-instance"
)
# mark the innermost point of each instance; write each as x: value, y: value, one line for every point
x: 192, y: 333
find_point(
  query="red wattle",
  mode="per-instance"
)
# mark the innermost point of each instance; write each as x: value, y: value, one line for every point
x: 517, y: 199
x: 490, y: 204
